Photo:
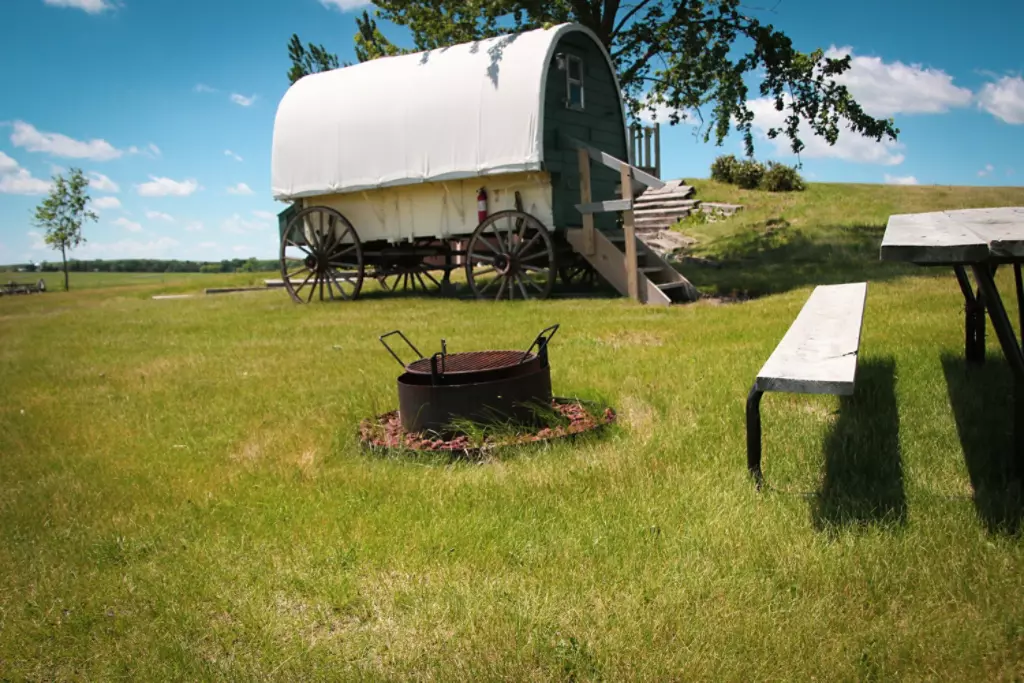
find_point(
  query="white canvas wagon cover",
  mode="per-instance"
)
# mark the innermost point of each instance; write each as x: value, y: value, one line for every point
x: 469, y: 110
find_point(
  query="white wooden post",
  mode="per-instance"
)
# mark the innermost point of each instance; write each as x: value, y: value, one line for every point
x: 585, y: 198
x: 632, y: 283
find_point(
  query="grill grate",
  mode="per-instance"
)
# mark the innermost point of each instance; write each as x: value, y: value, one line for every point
x: 471, y: 361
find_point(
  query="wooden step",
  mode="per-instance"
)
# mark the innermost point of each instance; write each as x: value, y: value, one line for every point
x: 658, y: 202
x: 670, y: 285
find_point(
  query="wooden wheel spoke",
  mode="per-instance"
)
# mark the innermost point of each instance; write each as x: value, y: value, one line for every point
x: 341, y: 290
x: 530, y: 281
x: 311, y: 274
x: 526, y: 247
x: 486, y: 242
x: 431, y: 278
x: 312, y: 289
x: 534, y: 256
x: 533, y: 269
x: 299, y: 246
x: 482, y: 258
x: 501, y: 290
x: 522, y: 287
x: 294, y: 274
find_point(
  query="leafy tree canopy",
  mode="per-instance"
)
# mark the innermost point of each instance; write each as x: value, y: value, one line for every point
x: 684, y: 55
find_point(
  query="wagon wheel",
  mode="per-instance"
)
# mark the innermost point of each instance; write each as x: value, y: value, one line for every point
x: 409, y: 274
x: 408, y: 280
x: 320, y: 251
x: 515, y: 256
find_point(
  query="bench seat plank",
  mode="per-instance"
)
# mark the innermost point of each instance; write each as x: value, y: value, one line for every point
x: 818, y: 354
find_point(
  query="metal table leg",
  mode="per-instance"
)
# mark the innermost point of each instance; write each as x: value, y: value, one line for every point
x: 974, y: 318
x: 1011, y: 349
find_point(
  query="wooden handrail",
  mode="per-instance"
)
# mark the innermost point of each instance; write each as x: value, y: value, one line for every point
x: 611, y: 162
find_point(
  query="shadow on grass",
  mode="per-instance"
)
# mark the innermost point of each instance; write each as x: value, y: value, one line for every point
x: 982, y: 400
x: 771, y: 259
x: 862, y: 483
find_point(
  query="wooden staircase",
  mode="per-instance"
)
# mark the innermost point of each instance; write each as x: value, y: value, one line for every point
x: 658, y: 283
x: 622, y: 259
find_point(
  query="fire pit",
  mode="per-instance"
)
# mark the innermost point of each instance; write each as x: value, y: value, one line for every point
x: 439, y: 393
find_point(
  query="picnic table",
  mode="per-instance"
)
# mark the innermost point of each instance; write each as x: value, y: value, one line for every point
x: 980, y: 240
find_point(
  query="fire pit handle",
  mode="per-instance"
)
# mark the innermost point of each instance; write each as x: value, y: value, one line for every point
x: 391, y: 351
x: 540, y: 343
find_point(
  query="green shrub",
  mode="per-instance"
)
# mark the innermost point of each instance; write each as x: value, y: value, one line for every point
x: 748, y: 174
x: 781, y: 178
x: 723, y: 169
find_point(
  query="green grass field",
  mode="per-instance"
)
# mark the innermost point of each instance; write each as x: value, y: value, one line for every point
x: 183, y: 495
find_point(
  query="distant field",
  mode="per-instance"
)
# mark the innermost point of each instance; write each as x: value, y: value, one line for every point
x: 146, y: 281
x: 182, y: 495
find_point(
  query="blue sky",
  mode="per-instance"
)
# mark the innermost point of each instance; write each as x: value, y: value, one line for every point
x: 169, y: 106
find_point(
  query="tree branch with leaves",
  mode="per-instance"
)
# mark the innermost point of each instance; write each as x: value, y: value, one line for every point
x: 63, y: 213
x: 691, y: 57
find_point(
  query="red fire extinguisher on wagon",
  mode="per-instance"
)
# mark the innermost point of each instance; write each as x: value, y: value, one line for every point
x: 481, y: 205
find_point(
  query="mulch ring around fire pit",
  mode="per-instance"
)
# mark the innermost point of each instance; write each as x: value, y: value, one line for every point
x: 570, y: 418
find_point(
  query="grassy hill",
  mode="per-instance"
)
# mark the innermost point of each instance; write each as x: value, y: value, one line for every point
x: 826, y: 234
x: 182, y: 494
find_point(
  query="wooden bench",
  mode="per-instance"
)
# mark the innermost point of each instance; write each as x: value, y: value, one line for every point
x: 817, y: 355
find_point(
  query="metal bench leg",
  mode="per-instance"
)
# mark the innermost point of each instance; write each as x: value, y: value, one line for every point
x: 754, y: 434
x: 974, y: 318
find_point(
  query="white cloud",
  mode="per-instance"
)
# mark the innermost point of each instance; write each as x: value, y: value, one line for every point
x: 265, y: 216
x: 165, y: 187
x: 25, y: 135
x: 886, y: 89
x: 242, y: 100
x: 38, y: 244
x: 159, y: 216
x: 1004, y: 99
x: 849, y: 147
x: 150, y: 150
x: 241, y: 248
x: 101, y: 183
x: 240, y: 188
x: 130, y: 226
x: 237, y: 225
x: 662, y: 114
x: 106, y: 203
x: 900, y: 180
x: 89, y: 6
x: 345, y: 5
x: 202, y: 87
x: 16, y: 180
x: 194, y: 226
x: 154, y: 150
x: 986, y: 171
x: 231, y: 154
x: 7, y: 164
x: 128, y: 248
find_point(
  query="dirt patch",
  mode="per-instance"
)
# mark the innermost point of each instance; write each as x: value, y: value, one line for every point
x: 631, y: 339
x: 570, y: 418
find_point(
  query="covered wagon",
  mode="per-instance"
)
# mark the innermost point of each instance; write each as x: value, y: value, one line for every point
x: 476, y: 156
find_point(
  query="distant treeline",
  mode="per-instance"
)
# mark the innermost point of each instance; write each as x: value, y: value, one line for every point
x: 250, y: 265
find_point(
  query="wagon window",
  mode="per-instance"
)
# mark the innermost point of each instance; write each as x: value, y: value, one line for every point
x: 574, y: 81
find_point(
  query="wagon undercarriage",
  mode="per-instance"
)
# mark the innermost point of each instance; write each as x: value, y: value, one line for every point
x: 510, y: 255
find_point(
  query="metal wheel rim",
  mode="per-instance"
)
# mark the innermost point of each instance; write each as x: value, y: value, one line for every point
x: 321, y: 256
x: 511, y: 256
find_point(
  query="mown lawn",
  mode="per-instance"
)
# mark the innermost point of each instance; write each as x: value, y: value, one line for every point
x: 182, y: 496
